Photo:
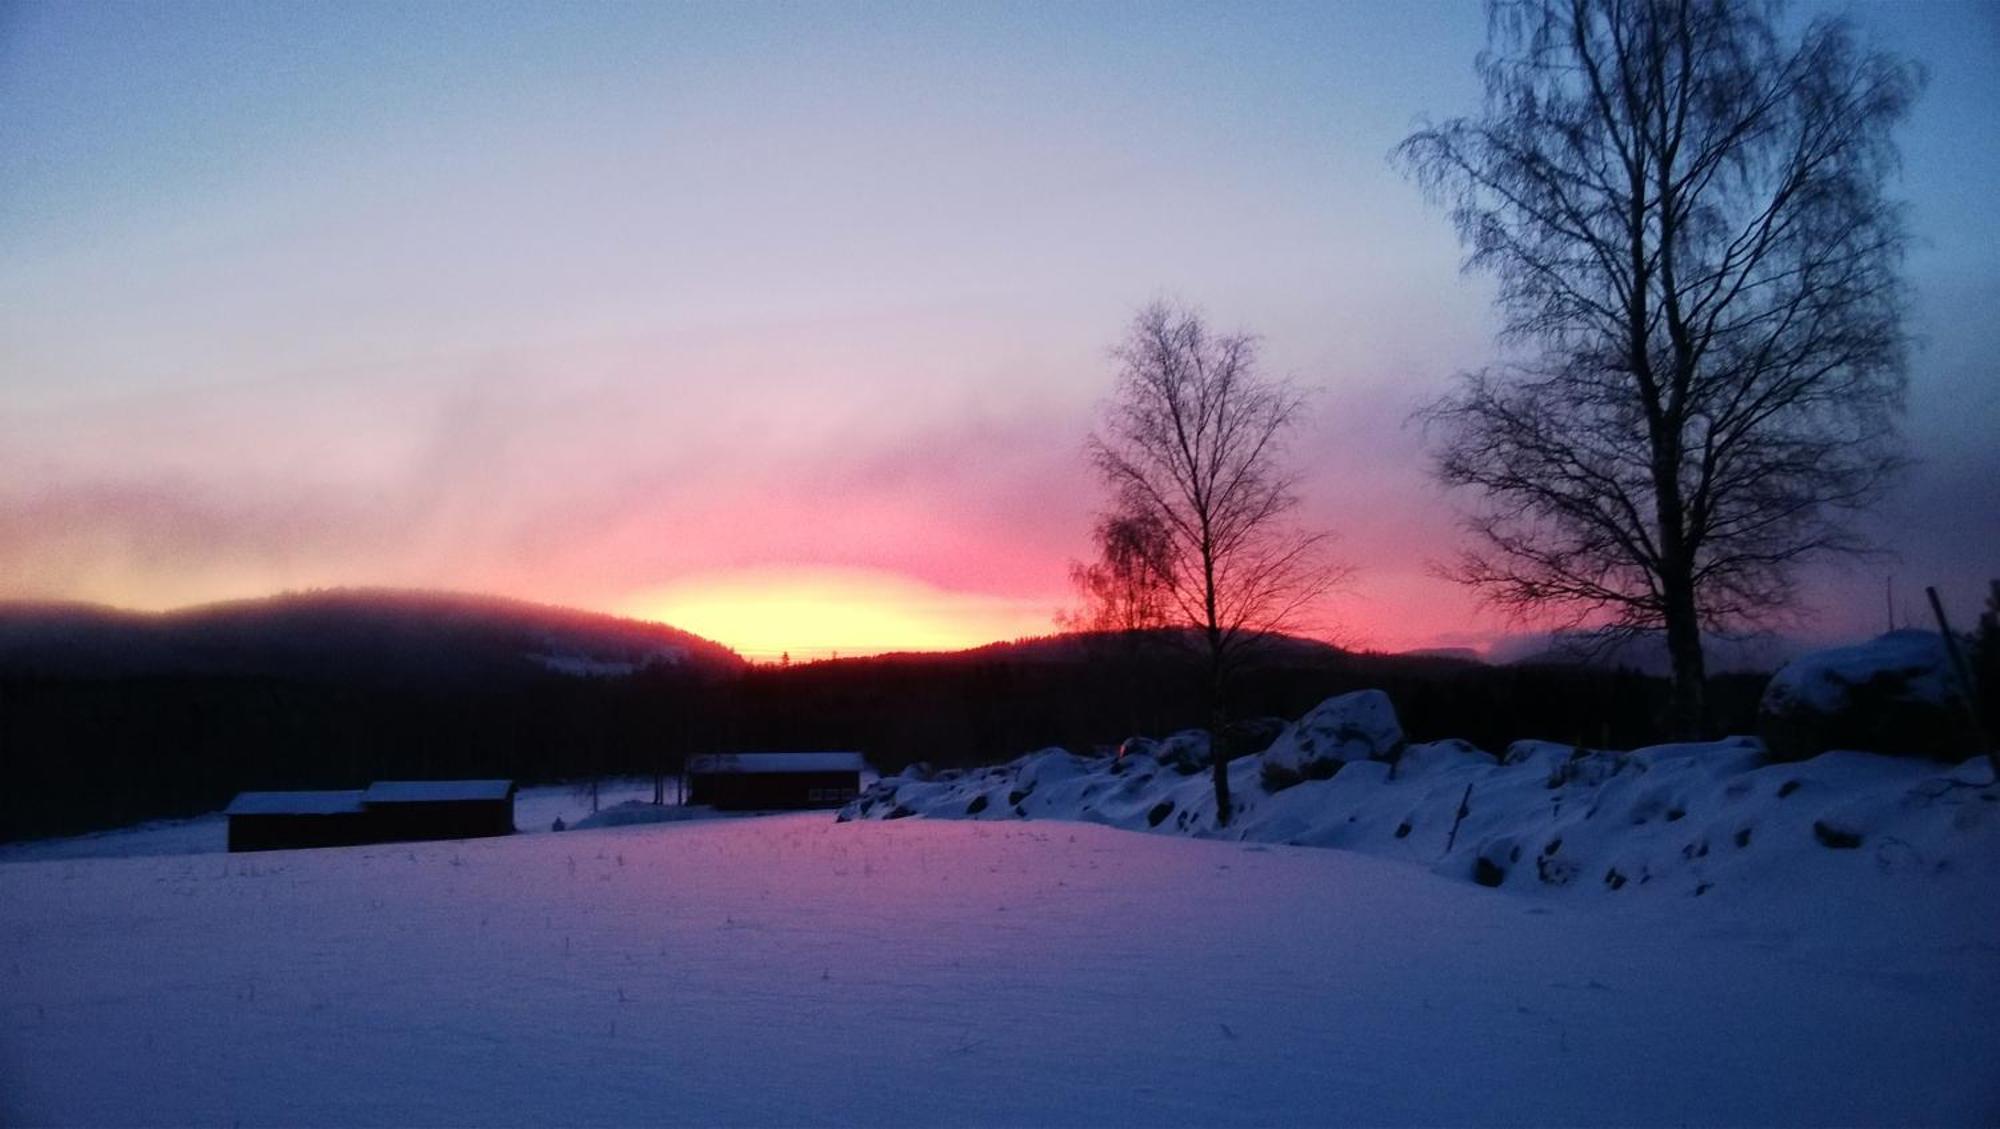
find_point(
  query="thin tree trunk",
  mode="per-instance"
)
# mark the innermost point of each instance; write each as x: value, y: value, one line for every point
x: 1218, y: 744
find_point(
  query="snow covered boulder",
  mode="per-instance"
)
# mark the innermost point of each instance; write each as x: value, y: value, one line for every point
x: 1193, y: 750
x: 1185, y: 752
x: 1048, y: 766
x: 1352, y: 727
x: 1436, y: 757
x: 1892, y: 694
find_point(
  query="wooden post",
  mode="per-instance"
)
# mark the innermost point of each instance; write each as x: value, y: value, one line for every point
x: 1967, y: 692
x: 1464, y: 809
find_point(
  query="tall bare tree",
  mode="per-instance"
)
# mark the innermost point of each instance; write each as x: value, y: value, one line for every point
x: 1686, y: 214
x: 1192, y: 447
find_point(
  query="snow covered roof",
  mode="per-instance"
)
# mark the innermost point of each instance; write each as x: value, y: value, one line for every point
x: 435, y: 791
x: 760, y: 763
x: 294, y: 803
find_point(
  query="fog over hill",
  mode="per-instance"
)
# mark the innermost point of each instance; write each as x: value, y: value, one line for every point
x: 360, y: 634
x: 1725, y: 654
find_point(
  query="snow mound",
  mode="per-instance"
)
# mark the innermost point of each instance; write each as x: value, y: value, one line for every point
x: 1914, y: 661
x: 1686, y: 819
x: 1892, y: 694
x: 634, y: 812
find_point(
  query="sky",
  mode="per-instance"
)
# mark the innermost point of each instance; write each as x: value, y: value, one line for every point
x: 786, y: 324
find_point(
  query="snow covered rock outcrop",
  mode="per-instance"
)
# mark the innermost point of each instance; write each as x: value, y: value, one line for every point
x: 1187, y: 751
x: 1352, y: 727
x: 1892, y: 694
x: 1684, y: 818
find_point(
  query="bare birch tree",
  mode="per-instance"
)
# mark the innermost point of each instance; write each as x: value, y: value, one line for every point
x: 1192, y: 447
x: 1698, y: 262
x: 1121, y: 590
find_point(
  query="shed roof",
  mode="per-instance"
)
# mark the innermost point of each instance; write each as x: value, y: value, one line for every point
x: 435, y: 791
x: 733, y: 764
x: 294, y: 803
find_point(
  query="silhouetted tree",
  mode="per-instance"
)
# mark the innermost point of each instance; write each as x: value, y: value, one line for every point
x: 1685, y: 213
x: 1123, y: 606
x: 1192, y: 446
x: 1122, y: 591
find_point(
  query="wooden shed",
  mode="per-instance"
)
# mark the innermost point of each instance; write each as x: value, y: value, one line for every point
x: 271, y: 821
x: 750, y: 781
x: 388, y: 811
x: 439, y: 809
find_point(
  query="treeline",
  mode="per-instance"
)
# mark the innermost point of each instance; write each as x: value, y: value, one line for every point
x: 83, y: 753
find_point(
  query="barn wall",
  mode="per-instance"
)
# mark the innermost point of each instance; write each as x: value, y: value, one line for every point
x: 741, y: 791
x: 380, y: 823
x: 456, y: 819
x: 288, y: 832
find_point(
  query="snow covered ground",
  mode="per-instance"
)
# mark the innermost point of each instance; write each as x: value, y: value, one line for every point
x: 794, y: 970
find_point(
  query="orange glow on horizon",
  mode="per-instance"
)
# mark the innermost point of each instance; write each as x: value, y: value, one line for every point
x: 815, y: 613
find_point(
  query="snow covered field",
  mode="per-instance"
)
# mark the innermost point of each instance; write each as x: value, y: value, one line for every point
x: 794, y: 970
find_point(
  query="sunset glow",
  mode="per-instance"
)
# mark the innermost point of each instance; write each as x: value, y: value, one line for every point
x: 765, y: 614
x: 773, y: 325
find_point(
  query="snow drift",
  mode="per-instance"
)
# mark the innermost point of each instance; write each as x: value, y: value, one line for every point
x: 1686, y: 819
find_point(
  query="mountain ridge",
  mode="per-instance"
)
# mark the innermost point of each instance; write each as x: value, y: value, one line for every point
x: 420, y: 636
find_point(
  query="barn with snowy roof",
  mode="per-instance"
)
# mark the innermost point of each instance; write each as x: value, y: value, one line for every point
x: 439, y: 809
x: 753, y: 781
x: 387, y: 811
x: 268, y: 821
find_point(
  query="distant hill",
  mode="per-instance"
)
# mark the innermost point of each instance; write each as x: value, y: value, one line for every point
x: 1086, y: 646
x: 1455, y: 654
x: 350, y: 635
x: 1274, y: 652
